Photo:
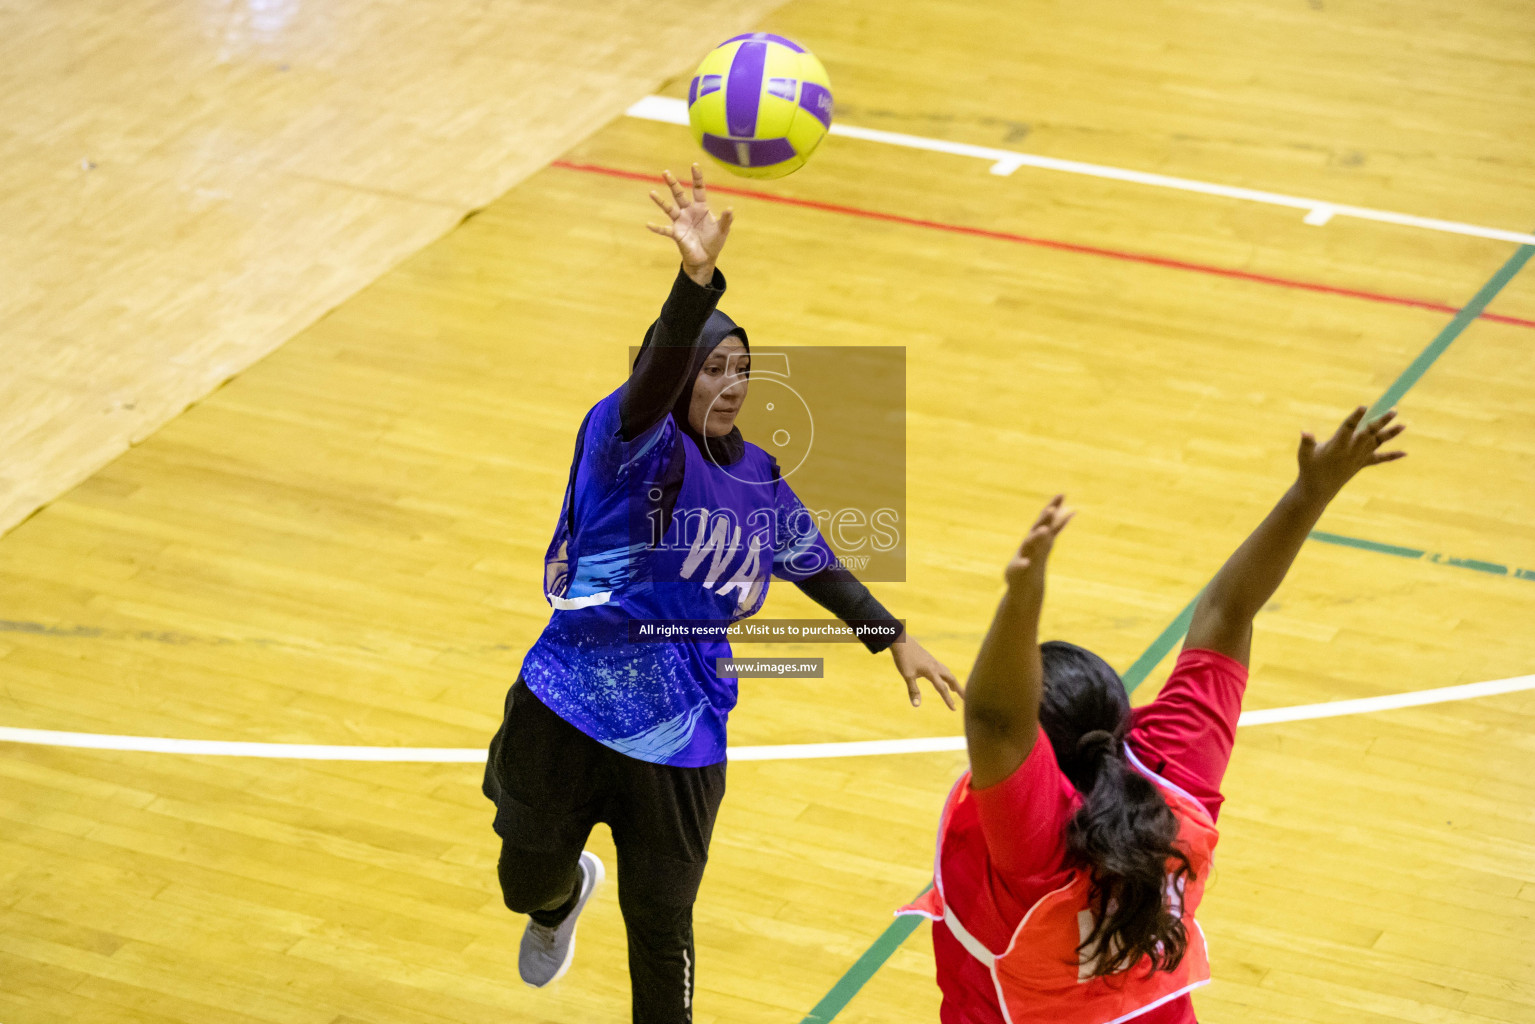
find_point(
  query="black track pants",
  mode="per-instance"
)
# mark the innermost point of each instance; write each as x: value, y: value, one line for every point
x: 551, y: 783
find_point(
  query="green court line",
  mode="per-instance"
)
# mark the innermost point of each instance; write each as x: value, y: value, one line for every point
x: 1367, y: 545
x: 1491, y: 568
x: 1471, y: 563
x: 863, y: 969
x: 875, y: 956
x: 1152, y: 656
x: 1452, y: 330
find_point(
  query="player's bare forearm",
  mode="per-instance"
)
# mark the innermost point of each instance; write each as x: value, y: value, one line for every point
x: 1253, y: 572
x: 1003, y: 691
x: 1223, y: 617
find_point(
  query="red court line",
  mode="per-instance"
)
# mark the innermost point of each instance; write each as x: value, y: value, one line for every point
x: 1050, y: 243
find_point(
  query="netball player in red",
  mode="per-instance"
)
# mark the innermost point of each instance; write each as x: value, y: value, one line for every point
x: 1068, y: 871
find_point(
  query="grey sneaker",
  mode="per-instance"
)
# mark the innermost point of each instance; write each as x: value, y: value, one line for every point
x: 546, y: 952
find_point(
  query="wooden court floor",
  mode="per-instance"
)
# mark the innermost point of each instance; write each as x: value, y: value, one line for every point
x: 184, y: 186
x: 342, y: 545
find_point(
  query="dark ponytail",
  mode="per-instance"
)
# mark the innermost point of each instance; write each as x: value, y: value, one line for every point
x: 1124, y: 832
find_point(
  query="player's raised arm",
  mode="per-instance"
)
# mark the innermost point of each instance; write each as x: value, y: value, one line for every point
x: 1002, y: 694
x: 1223, y: 618
x: 661, y: 371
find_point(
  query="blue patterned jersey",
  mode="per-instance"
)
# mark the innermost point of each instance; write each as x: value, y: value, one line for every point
x: 617, y: 556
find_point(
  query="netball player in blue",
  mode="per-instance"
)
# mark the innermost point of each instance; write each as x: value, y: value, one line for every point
x: 669, y: 516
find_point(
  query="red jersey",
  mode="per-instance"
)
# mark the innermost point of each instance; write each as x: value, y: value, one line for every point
x: 1013, y: 853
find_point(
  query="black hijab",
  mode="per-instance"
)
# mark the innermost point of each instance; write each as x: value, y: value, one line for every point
x: 727, y: 448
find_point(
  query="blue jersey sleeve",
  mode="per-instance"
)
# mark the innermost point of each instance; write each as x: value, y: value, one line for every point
x: 799, y: 550
x: 606, y: 455
x: 591, y: 510
x: 805, y: 559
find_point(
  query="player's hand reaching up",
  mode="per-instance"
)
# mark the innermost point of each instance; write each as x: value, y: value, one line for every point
x: 1223, y: 617
x: 699, y: 235
x: 1326, y: 467
x: 1027, y: 566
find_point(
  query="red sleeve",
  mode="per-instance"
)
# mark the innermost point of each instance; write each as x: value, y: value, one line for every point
x: 1187, y: 733
x: 1024, y: 819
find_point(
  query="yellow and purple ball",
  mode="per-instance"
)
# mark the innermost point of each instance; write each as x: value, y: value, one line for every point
x: 759, y: 104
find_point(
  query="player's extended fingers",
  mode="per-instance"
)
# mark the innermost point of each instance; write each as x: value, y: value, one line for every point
x: 666, y: 208
x: 678, y: 192
x: 661, y: 229
x: 1380, y: 457
x: 1390, y: 433
x: 1379, y: 422
x: 913, y: 690
x: 1367, y: 437
x: 952, y: 679
x: 1047, y: 514
x: 726, y: 220
x: 941, y: 686
x: 1351, y: 424
x: 699, y: 193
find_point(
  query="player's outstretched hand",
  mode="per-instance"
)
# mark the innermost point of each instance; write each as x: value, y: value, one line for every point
x: 914, y: 662
x: 1326, y: 467
x: 1027, y: 565
x: 700, y: 236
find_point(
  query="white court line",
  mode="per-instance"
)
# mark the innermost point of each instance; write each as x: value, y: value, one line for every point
x: 781, y: 752
x: 226, y: 748
x: 1006, y: 161
x: 1416, y: 698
